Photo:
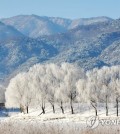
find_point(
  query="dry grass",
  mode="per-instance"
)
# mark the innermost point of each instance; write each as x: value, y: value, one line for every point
x: 41, y: 128
x: 23, y: 127
x: 104, y: 130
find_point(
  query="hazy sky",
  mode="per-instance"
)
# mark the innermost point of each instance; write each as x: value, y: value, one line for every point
x: 61, y: 8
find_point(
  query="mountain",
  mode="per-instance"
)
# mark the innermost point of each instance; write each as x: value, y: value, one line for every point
x: 36, y: 26
x: 90, y: 46
x: 16, y: 49
x: 8, y: 32
x: 94, y: 44
x: 103, y: 50
x: 15, y: 53
x: 88, y: 21
x: 111, y: 55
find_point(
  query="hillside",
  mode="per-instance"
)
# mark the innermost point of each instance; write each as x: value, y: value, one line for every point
x: 8, y: 32
x: 16, y: 49
x: 91, y: 45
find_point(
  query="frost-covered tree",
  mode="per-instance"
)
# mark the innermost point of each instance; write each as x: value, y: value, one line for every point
x: 93, y: 90
x: 115, y: 88
x: 72, y: 74
x: 115, y: 85
x: 18, y: 93
x: 98, y: 86
x: 106, y: 76
x: 93, y: 95
x: 52, y: 71
x: 60, y: 94
x: 39, y: 85
x: 87, y: 92
x: 29, y: 93
x: 82, y: 93
x: 101, y: 81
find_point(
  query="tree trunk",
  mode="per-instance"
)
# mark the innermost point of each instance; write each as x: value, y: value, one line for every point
x: 72, y: 111
x: 106, y: 105
x: 62, y: 107
x: 53, y: 108
x: 43, y: 107
x: 96, y: 114
x: 71, y: 105
x: 43, y: 110
x: 27, y: 109
x: 117, y: 106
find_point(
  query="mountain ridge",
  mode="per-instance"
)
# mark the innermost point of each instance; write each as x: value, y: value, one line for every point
x: 36, y: 26
x: 90, y: 45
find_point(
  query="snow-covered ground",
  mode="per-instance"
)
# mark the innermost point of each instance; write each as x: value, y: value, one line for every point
x: 58, y: 123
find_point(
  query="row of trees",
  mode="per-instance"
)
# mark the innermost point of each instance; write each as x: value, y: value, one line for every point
x: 62, y: 84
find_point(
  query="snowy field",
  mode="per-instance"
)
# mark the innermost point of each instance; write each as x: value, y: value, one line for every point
x: 57, y: 123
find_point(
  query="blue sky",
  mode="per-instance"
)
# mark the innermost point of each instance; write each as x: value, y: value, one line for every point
x: 61, y: 8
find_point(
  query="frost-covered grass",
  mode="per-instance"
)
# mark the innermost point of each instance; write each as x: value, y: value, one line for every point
x: 35, y: 127
x: 103, y: 130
